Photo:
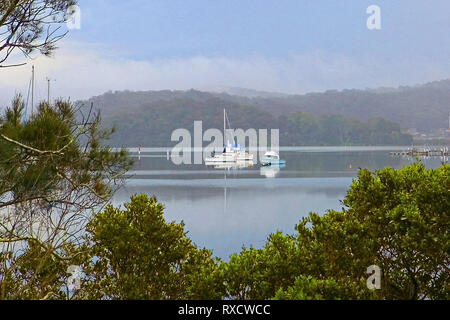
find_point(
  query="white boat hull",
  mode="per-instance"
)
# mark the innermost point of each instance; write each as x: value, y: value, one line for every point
x: 244, y: 156
x: 222, y: 158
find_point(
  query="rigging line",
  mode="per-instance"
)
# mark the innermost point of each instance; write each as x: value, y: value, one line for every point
x: 28, y: 99
x: 229, y: 124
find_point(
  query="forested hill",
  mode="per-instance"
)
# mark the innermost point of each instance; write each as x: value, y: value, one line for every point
x: 423, y: 107
x: 149, y: 118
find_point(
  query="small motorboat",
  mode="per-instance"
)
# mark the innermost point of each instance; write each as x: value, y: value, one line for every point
x: 271, y: 158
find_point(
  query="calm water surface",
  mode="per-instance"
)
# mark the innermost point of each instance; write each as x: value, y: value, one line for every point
x: 226, y: 209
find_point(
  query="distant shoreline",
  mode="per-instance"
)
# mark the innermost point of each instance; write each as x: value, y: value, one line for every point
x: 285, y: 148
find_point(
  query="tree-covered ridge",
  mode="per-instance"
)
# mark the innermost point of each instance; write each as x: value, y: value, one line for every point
x: 149, y: 118
x: 302, y: 128
x: 423, y: 107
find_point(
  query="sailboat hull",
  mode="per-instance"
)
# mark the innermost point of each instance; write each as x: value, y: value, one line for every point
x: 224, y: 157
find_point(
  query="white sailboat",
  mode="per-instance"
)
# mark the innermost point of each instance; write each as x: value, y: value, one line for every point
x: 231, y: 153
x: 228, y: 155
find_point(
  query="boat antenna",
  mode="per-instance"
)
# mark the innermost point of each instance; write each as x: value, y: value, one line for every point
x: 224, y: 127
x: 28, y: 99
x: 48, y: 90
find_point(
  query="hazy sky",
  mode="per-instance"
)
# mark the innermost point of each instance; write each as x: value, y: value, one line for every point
x: 292, y: 46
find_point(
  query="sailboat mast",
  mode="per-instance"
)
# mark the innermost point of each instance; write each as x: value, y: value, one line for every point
x: 224, y: 127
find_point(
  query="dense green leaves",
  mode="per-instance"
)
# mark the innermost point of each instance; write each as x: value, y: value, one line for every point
x: 309, y: 288
x: 138, y: 255
x: 408, y: 212
x: 52, y: 154
x: 398, y: 220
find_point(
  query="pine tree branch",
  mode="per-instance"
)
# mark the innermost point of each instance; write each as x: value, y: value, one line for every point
x: 41, y: 152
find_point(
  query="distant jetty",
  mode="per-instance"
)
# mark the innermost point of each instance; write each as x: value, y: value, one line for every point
x: 424, y: 152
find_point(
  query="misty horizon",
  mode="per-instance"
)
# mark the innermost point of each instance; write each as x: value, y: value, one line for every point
x: 297, y: 48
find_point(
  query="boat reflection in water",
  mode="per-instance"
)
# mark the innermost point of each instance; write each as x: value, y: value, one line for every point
x: 272, y: 170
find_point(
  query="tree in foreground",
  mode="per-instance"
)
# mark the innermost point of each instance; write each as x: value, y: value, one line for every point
x: 402, y: 219
x: 27, y: 26
x: 395, y: 219
x: 136, y: 254
x: 398, y: 220
x: 55, y: 172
